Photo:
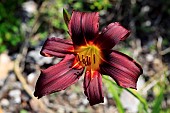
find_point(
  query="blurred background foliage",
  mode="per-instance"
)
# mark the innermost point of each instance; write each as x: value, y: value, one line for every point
x: 10, y: 34
x: 148, y: 21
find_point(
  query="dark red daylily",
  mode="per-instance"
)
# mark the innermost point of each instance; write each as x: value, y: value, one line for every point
x: 89, y: 52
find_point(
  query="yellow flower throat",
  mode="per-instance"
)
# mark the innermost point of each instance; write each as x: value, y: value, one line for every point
x: 89, y: 56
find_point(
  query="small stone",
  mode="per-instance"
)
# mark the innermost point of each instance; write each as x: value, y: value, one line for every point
x: 40, y: 60
x: 72, y: 96
x: 30, y: 6
x: 105, y: 101
x: 129, y: 102
x: 57, y: 60
x: 17, y: 85
x: 85, y: 101
x: 15, y: 95
x: 61, y: 110
x: 140, y: 83
x: 46, y: 60
x: 149, y: 57
x: 147, y: 23
x: 145, y: 9
x: 4, y: 102
x: 31, y: 77
x: 81, y: 108
x: 73, y: 99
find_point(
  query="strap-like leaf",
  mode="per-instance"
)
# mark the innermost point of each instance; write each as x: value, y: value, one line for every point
x: 133, y: 92
x: 112, y: 88
x: 158, y: 101
x: 66, y: 16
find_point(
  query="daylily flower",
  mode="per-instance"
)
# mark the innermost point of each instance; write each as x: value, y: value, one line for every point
x: 89, y: 52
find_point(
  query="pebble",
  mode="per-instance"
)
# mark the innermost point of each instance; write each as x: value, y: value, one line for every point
x: 15, y: 95
x: 140, y: 83
x: 149, y: 57
x: 81, y: 108
x: 40, y: 60
x: 4, y: 102
x: 30, y: 6
x: 145, y: 9
x: 147, y: 23
x: 61, y: 110
x: 105, y: 101
x: 72, y: 96
x: 31, y: 77
x: 85, y: 101
x: 129, y: 102
x: 17, y: 85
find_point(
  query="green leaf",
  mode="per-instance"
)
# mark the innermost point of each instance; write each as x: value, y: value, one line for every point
x: 23, y: 111
x: 133, y: 92
x: 66, y: 16
x: 157, y: 102
x: 139, y: 97
x: 115, y: 94
x: 140, y: 108
x: 2, y: 48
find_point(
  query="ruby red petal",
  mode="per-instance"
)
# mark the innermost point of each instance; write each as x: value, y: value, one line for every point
x: 93, y: 87
x: 75, y: 28
x: 111, y: 35
x: 83, y: 27
x: 123, y: 69
x: 57, y: 47
x: 90, y: 25
x: 57, y: 77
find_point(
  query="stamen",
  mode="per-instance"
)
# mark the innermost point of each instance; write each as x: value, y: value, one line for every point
x: 89, y: 61
x: 94, y: 58
x: 84, y: 61
x: 76, y: 65
x: 86, y: 56
x: 82, y: 56
x: 78, y: 57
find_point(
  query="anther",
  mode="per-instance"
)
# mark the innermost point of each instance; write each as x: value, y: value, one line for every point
x: 94, y: 58
x: 78, y: 57
x: 84, y: 61
x: 89, y: 61
x: 82, y: 57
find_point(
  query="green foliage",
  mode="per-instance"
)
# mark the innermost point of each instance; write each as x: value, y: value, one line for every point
x: 89, y: 5
x: 115, y: 92
x: 139, y: 97
x: 132, y: 91
x: 10, y: 34
x: 157, y: 102
x: 50, y: 18
x: 66, y: 16
x: 23, y: 111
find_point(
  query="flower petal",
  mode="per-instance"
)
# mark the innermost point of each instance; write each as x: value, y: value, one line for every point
x: 123, y: 69
x: 111, y: 35
x: 90, y: 25
x: 57, y: 77
x: 57, y: 47
x: 83, y: 27
x: 93, y: 87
